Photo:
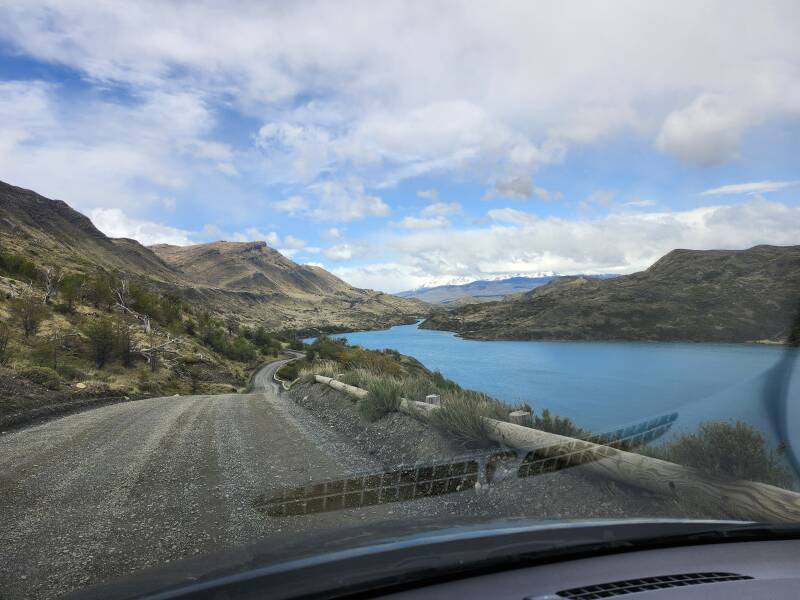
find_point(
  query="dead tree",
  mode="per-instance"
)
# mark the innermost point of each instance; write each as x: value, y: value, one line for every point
x: 153, y: 353
x: 123, y: 299
x: 51, y: 278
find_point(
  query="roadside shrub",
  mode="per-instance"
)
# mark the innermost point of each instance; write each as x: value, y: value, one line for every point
x: 733, y: 449
x: 289, y: 371
x: 44, y: 376
x: 383, y: 398
x: 69, y: 372
x: 461, y: 417
x: 560, y: 425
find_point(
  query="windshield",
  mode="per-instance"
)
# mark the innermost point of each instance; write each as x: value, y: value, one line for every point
x: 271, y: 270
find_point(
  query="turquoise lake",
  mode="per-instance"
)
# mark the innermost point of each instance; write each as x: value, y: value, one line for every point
x: 603, y: 385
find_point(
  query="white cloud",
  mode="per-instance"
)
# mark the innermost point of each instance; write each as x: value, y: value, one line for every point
x: 519, y: 188
x: 423, y: 223
x: 369, y: 102
x: 346, y: 201
x: 432, y: 195
x: 294, y: 205
x: 755, y: 187
x: 115, y: 223
x: 302, y: 151
x: 342, y: 252
x: 641, y: 202
x: 294, y: 243
x: 126, y: 149
x: 332, y: 234
x: 254, y: 234
x: 601, y: 198
x: 704, y: 133
x: 439, y: 209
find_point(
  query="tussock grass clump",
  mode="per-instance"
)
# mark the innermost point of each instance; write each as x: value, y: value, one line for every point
x: 461, y: 417
x: 327, y: 368
x: 733, y: 449
x: 383, y: 398
x: 363, y: 378
x: 417, y: 387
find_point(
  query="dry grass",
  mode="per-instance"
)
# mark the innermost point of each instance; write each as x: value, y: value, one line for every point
x: 326, y: 368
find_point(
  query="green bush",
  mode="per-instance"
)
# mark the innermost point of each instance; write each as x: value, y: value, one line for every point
x: 289, y: 371
x: 44, y: 376
x: 70, y: 372
x: 102, y: 340
x: 20, y: 266
x: 733, y: 449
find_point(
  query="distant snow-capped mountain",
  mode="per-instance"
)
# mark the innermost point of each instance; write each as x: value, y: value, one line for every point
x: 495, y: 287
x: 450, y: 280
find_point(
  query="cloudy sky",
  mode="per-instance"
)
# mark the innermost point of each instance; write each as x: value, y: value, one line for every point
x: 405, y: 143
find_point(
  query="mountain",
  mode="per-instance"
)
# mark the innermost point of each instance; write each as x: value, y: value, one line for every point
x: 483, y: 290
x: 301, y: 296
x: 251, y: 266
x: 687, y: 295
x: 51, y: 232
x: 252, y: 280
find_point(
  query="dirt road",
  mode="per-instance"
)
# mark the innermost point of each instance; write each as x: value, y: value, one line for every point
x: 113, y: 490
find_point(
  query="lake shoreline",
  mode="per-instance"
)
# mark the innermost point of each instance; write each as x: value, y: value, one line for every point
x: 597, y: 384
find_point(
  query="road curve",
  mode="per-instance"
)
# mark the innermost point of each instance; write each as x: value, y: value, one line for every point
x: 110, y: 491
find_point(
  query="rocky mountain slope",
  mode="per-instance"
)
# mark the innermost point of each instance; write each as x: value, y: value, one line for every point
x: 250, y: 280
x: 49, y: 231
x: 687, y: 295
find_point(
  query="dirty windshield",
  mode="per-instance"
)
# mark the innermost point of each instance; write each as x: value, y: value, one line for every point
x: 273, y: 270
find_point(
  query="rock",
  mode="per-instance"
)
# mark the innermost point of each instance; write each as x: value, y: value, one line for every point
x: 80, y: 385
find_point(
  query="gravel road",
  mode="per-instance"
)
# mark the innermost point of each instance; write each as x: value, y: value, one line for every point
x: 112, y: 491
x: 117, y: 489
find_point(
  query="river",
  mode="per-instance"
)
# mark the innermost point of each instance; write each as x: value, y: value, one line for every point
x: 602, y: 385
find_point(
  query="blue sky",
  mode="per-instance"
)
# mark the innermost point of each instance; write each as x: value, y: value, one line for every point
x: 404, y: 144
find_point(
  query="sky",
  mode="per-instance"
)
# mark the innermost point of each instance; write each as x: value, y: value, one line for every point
x: 402, y: 144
